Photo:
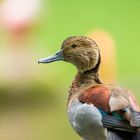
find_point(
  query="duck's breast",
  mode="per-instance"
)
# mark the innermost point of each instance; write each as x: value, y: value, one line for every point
x: 86, y: 120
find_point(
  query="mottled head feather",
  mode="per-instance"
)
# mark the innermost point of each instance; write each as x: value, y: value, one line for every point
x: 81, y: 51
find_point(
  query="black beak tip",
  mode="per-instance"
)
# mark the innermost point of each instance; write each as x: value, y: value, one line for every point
x: 39, y: 62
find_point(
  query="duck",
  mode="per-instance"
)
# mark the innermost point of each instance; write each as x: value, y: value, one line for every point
x: 96, y: 111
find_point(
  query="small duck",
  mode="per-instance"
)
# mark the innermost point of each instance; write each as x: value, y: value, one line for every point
x: 96, y: 111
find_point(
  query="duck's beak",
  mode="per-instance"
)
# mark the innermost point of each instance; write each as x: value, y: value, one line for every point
x: 58, y: 56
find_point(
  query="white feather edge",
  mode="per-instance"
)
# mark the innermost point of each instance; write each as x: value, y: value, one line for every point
x: 118, y: 103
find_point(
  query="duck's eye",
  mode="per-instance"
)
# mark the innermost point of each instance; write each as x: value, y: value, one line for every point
x: 73, y: 45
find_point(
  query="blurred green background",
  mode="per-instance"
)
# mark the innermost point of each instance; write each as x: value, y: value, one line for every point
x: 33, y: 97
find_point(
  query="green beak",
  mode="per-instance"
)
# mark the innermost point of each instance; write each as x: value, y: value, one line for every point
x: 58, y: 56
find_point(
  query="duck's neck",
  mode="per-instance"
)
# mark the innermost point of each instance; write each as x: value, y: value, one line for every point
x: 81, y: 82
x: 87, y: 78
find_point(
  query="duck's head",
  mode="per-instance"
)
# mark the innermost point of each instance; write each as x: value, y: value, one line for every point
x: 80, y: 51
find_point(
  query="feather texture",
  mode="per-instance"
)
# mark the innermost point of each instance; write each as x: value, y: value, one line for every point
x: 98, y: 95
x: 122, y: 135
x: 122, y: 98
x: 111, y: 122
x: 135, y: 118
x: 109, y: 98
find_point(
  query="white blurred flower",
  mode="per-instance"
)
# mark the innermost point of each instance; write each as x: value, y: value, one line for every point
x: 18, y: 12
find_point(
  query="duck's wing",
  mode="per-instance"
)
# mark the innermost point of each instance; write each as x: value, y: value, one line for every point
x: 112, y: 100
x: 111, y: 122
x: 98, y: 95
x: 121, y: 98
x: 122, y: 135
x: 122, y: 131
